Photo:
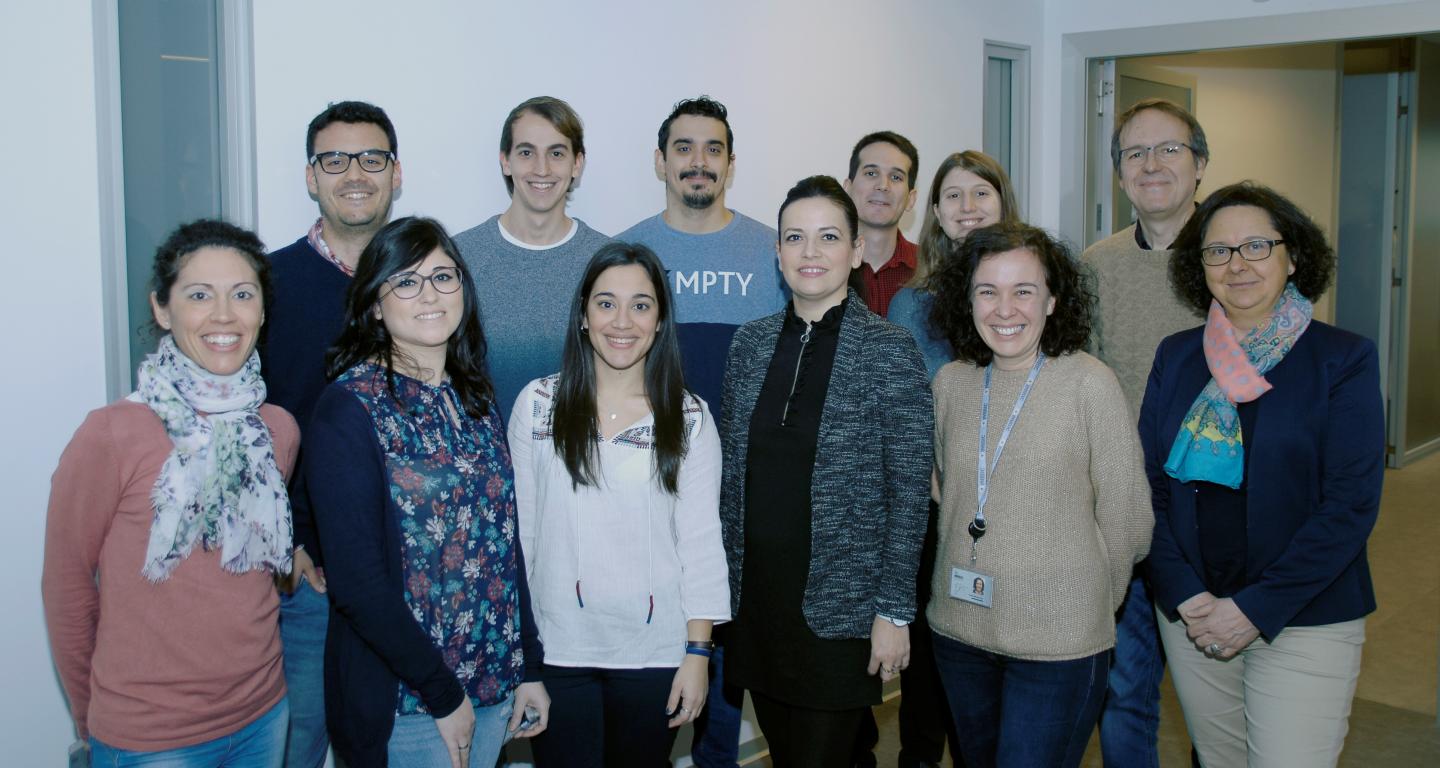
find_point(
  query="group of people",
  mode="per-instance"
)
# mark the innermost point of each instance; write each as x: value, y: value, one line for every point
x: 536, y: 496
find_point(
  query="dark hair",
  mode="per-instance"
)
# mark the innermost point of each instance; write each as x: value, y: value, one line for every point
x: 887, y: 137
x: 1197, y: 143
x: 557, y: 113
x: 351, y: 112
x: 700, y: 106
x: 1305, y: 243
x: 1068, y: 327
x: 828, y: 188
x: 188, y: 238
x: 398, y: 246
x: 575, y: 422
x: 935, y: 245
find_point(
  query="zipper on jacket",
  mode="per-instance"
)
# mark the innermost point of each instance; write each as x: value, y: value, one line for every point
x: 794, y: 380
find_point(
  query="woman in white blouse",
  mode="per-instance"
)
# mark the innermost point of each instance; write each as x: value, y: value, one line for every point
x: 617, y: 480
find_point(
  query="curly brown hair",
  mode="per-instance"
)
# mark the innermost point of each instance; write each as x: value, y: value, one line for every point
x: 1305, y: 243
x: 1068, y: 327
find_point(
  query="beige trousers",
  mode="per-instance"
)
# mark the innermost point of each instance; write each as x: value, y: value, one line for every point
x: 1273, y: 705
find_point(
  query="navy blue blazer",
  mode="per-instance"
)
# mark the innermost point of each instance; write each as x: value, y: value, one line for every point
x: 1315, y: 466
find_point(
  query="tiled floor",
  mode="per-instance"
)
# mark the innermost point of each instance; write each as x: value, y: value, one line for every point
x: 1393, y: 721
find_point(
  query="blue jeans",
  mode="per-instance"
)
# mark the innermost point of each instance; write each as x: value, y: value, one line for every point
x: 261, y: 744
x: 1020, y: 714
x: 1130, y: 721
x: 717, y: 732
x: 304, y: 617
x: 415, y: 742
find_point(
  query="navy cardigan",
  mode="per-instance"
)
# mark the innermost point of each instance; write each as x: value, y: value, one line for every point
x: 1315, y: 466
x: 373, y: 642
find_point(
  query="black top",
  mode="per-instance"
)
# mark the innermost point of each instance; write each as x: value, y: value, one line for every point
x: 771, y: 648
x: 1222, y: 521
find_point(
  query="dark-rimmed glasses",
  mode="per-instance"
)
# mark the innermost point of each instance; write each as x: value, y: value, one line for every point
x: 1250, y: 250
x: 371, y: 160
x: 1167, y: 153
x: 408, y: 285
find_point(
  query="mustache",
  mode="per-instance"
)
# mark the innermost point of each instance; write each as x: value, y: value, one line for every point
x: 693, y: 172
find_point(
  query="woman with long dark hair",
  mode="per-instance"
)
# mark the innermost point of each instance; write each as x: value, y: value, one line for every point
x: 827, y: 438
x: 617, y: 474
x: 432, y: 657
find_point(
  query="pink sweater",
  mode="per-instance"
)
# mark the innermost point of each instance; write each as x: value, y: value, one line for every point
x: 147, y: 666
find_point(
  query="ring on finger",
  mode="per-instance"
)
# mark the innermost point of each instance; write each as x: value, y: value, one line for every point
x: 1215, y: 649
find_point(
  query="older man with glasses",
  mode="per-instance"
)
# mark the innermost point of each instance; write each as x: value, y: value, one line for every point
x: 352, y: 170
x: 1159, y: 152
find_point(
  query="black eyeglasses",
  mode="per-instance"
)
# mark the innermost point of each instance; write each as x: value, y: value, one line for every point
x: 1252, y: 250
x: 408, y: 285
x: 371, y: 160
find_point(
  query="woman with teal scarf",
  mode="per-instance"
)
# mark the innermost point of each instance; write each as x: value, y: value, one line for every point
x: 1264, y: 441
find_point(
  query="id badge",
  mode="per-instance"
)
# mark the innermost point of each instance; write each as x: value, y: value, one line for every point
x: 972, y: 587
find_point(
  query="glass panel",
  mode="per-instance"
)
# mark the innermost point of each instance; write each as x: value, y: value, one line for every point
x: 999, y: 110
x: 1422, y: 359
x: 169, y: 88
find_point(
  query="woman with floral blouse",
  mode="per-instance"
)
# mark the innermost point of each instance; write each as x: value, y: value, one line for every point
x: 432, y: 657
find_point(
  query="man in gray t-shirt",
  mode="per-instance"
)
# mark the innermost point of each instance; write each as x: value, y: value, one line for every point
x: 723, y: 272
x: 721, y: 263
x: 527, y: 262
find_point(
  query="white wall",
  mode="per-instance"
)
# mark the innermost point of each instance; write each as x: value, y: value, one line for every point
x: 802, y: 80
x: 52, y: 344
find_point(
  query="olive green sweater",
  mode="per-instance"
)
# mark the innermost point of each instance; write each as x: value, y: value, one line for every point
x: 1068, y: 513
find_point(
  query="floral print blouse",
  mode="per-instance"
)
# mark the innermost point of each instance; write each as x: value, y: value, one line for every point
x: 451, y: 479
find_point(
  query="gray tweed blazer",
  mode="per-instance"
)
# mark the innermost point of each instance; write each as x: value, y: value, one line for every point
x: 870, y: 486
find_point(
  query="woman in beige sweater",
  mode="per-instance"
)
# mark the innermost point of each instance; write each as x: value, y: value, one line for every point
x: 1044, y: 507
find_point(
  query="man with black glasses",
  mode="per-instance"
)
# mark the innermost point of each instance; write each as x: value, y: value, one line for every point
x: 1160, y: 153
x: 353, y: 172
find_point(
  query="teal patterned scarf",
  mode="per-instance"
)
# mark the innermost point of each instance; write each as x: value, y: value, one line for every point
x: 1209, y: 446
x: 220, y: 485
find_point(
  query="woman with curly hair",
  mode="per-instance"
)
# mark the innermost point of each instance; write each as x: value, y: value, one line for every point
x: 1263, y: 500
x: 1043, y: 501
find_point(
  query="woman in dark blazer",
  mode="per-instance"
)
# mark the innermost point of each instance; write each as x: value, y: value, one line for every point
x: 1263, y: 499
x: 826, y: 436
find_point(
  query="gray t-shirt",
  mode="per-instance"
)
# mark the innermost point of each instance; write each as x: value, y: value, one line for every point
x: 524, y: 293
x: 721, y: 280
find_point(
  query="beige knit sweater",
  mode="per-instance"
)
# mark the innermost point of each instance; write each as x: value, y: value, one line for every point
x: 1135, y: 309
x: 1068, y: 513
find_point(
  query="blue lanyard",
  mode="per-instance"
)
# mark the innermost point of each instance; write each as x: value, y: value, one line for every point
x: 977, y: 526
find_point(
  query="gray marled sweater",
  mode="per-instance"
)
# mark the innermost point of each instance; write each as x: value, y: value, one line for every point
x: 870, y: 486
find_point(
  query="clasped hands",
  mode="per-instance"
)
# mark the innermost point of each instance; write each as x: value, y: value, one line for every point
x: 1216, y: 625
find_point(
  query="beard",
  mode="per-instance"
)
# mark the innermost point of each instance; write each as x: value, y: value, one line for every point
x: 698, y: 200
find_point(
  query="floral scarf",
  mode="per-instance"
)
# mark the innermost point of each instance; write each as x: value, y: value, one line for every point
x: 1209, y: 446
x: 220, y: 485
